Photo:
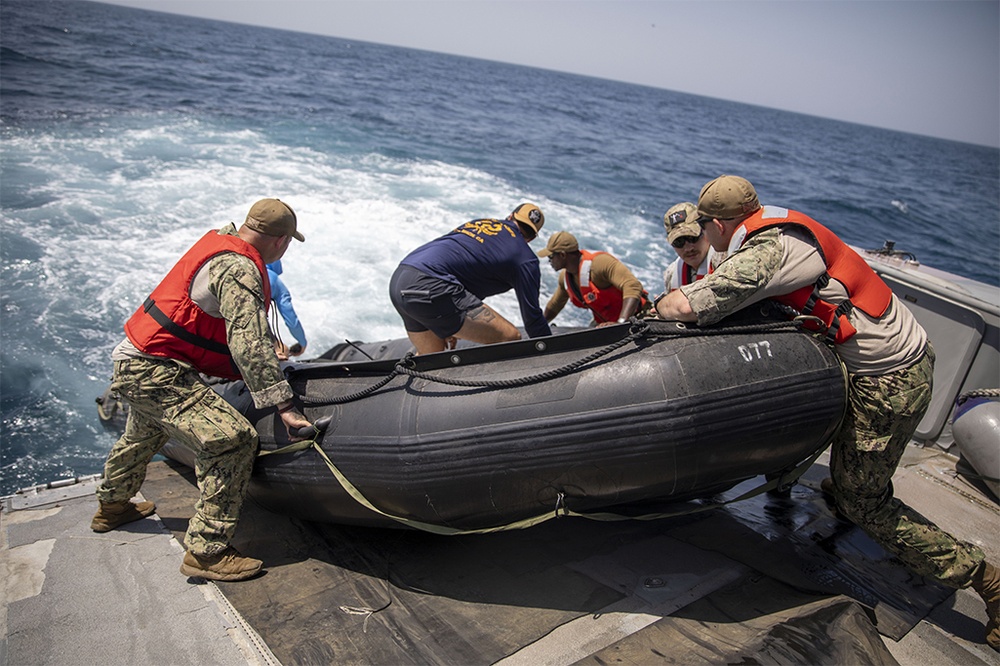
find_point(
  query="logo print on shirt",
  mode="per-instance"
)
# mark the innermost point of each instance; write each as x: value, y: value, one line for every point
x: 480, y: 229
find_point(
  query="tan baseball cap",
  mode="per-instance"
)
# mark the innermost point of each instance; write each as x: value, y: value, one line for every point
x: 560, y: 241
x: 529, y: 215
x: 727, y: 197
x: 273, y: 217
x: 681, y: 220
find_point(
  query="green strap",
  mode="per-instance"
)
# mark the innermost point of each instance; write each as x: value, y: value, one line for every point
x: 426, y: 527
x: 559, y: 511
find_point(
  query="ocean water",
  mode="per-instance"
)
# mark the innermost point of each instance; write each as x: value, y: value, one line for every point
x: 126, y: 134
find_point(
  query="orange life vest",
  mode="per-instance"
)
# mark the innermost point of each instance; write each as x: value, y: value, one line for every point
x: 606, y: 303
x: 684, y: 274
x: 865, y: 289
x: 171, y: 325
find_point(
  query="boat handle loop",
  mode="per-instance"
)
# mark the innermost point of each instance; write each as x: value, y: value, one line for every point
x: 978, y: 393
x: 638, y: 328
x: 530, y: 379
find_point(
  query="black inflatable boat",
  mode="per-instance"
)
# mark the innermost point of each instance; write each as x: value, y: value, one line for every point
x: 502, y: 435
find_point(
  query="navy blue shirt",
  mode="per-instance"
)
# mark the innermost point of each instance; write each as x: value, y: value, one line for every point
x: 487, y: 257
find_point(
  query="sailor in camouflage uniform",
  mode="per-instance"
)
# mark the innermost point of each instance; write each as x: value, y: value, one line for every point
x: 208, y: 315
x: 784, y: 255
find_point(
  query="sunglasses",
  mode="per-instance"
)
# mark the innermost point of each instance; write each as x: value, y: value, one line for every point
x: 684, y: 240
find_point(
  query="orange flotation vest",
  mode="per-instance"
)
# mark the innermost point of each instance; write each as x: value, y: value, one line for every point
x: 171, y: 325
x: 606, y: 303
x: 865, y: 289
x: 688, y: 274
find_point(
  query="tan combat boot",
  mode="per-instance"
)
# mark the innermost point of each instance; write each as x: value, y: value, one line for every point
x: 986, y: 581
x: 112, y: 514
x: 227, y: 565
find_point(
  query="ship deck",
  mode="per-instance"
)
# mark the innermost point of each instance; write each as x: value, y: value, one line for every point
x: 763, y: 580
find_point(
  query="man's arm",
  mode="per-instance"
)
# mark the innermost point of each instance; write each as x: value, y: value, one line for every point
x: 739, y: 281
x: 676, y: 307
x: 528, y: 282
x: 558, y: 300
x: 237, y: 284
x: 607, y: 271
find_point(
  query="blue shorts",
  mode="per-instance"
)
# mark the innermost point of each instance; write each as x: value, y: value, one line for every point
x: 426, y: 302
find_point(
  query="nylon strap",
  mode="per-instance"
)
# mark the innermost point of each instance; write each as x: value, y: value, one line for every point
x: 426, y: 527
x: 560, y: 510
x: 160, y: 317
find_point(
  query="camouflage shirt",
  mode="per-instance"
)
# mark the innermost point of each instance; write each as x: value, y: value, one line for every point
x: 230, y: 286
x: 779, y: 260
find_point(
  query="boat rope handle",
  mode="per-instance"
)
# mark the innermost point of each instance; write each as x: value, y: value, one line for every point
x: 978, y: 393
x: 364, y: 393
x: 523, y: 381
x: 639, y: 328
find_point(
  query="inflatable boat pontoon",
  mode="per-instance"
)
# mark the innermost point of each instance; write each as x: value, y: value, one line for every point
x: 495, y: 436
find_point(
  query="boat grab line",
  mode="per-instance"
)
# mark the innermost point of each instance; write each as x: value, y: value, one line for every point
x: 638, y: 329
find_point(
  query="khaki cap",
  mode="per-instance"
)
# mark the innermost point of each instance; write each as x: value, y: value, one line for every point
x: 681, y: 220
x: 727, y: 197
x: 273, y: 217
x: 529, y: 215
x: 560, y: 241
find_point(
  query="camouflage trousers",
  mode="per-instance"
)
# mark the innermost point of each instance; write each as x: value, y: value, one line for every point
x: 882, y: 415
x: 167, y: 400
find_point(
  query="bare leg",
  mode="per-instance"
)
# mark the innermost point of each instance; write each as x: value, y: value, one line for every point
x: 484, y: 325
x: 426, y: 342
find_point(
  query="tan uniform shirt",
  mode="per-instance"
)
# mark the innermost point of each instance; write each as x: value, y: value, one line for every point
x: 605, y: 271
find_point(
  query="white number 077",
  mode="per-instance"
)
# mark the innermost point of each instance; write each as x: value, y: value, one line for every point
x: 755, y: 350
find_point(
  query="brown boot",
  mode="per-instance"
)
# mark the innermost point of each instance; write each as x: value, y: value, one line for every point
x: 227, y: 565
x: 112, y: 514
x: 986, y: 581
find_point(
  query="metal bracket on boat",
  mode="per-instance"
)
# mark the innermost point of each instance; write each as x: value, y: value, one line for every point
x: 802, y: 319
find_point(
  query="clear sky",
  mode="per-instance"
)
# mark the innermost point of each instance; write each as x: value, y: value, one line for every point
x: 924, y: 66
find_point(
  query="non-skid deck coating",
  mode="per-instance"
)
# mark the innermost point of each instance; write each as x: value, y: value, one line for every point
x: 767, y: 580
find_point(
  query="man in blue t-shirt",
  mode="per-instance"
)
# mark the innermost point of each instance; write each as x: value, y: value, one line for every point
x: 438, y: 288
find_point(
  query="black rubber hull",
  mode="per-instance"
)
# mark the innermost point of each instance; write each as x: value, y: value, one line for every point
x: 661, y: 418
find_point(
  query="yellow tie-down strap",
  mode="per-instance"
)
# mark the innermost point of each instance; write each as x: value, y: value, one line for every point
x: 560, y: 509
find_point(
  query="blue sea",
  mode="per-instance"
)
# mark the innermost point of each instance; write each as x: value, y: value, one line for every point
x: 126, y: 134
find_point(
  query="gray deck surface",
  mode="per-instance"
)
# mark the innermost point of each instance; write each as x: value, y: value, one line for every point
x: 769, y: 579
